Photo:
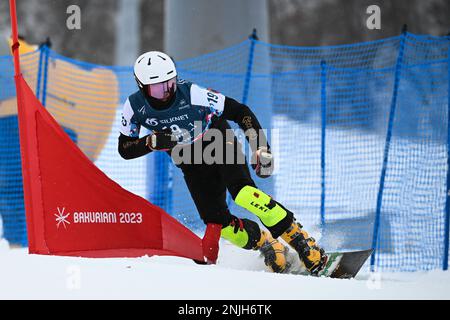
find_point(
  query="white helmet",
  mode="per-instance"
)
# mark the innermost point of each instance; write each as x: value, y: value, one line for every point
x: 156, y: 74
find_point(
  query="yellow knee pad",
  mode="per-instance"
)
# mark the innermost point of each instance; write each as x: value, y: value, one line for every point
x: 243, y: 233
x: 261, y: 205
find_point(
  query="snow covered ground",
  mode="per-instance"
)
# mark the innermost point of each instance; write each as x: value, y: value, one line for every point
x: 239, y: 275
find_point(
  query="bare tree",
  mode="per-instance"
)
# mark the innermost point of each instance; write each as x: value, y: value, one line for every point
x: 292, y: 22
x: 331, y: 22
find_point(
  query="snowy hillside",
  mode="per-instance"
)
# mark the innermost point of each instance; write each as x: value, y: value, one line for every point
x: 239, y: 275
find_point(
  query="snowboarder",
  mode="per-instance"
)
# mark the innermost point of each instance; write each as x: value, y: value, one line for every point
x: 167, y: 105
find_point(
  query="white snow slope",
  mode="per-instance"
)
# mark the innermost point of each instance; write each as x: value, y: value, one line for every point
x: 238, y: 275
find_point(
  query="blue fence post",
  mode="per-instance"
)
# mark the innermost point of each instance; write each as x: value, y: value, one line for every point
x: 248, y: 75
x: 376, y: 228
x: 169, y: 199
x: 162, y: 190
x: 323, y: 81
x: 39, y: 75
x: 46, y: 51
x: 447, y: 203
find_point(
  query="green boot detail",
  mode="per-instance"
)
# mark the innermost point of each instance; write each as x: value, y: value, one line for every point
x: 246, y: 234
x: 240, y: 238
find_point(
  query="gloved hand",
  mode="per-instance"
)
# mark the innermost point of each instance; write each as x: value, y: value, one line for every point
x: 161, y: 140
x: 262, y: 162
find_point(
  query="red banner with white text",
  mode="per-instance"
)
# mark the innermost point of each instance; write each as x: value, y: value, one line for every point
x: 74, y: 209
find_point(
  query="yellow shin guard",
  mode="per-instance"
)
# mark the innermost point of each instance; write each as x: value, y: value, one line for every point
x: 261, y: 205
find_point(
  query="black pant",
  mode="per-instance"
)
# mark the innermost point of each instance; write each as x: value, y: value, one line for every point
x: 208, y: 184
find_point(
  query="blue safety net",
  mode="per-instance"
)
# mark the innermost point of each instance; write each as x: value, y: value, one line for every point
x: 360, y: 136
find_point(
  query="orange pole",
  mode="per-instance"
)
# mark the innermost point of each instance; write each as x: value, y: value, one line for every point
x: 15, y: 36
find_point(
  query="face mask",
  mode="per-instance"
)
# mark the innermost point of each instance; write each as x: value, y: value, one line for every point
x: 163, y: 90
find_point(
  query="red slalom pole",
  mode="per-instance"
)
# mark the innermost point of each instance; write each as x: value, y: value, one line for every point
x: 15, y: 36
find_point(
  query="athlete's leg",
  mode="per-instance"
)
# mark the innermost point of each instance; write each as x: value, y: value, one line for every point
x: 247, y: 234
x: 275, y: 217
x: 209, y: 194
x: 237, y: 178
x: 282, y: 223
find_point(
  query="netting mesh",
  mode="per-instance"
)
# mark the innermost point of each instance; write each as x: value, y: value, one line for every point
x: 11, y: 193
x: 360, y: 135
x: 415, y: 190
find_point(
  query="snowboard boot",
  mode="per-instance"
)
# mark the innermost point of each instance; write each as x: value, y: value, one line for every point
x: 274, y: 253
x: 247, y: 234
x: 312, y: 256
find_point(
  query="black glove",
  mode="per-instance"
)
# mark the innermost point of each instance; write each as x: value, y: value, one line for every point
x: 161, y: 140
x: 262, y: 162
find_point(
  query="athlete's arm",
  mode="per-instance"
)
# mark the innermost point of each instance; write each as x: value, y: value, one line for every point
x: 232, y: 110
x: 262, y: 160
x: 130, y: 145
x: 132, y: 148
x: 247, y: 121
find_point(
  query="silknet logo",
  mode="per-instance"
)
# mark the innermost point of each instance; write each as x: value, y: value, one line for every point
x: 62, y: 218
x: 152, y: 122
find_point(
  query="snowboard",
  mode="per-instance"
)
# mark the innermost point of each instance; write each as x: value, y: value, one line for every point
x: 340, y: 265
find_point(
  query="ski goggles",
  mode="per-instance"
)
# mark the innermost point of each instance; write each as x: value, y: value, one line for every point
x: 163, y: 90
